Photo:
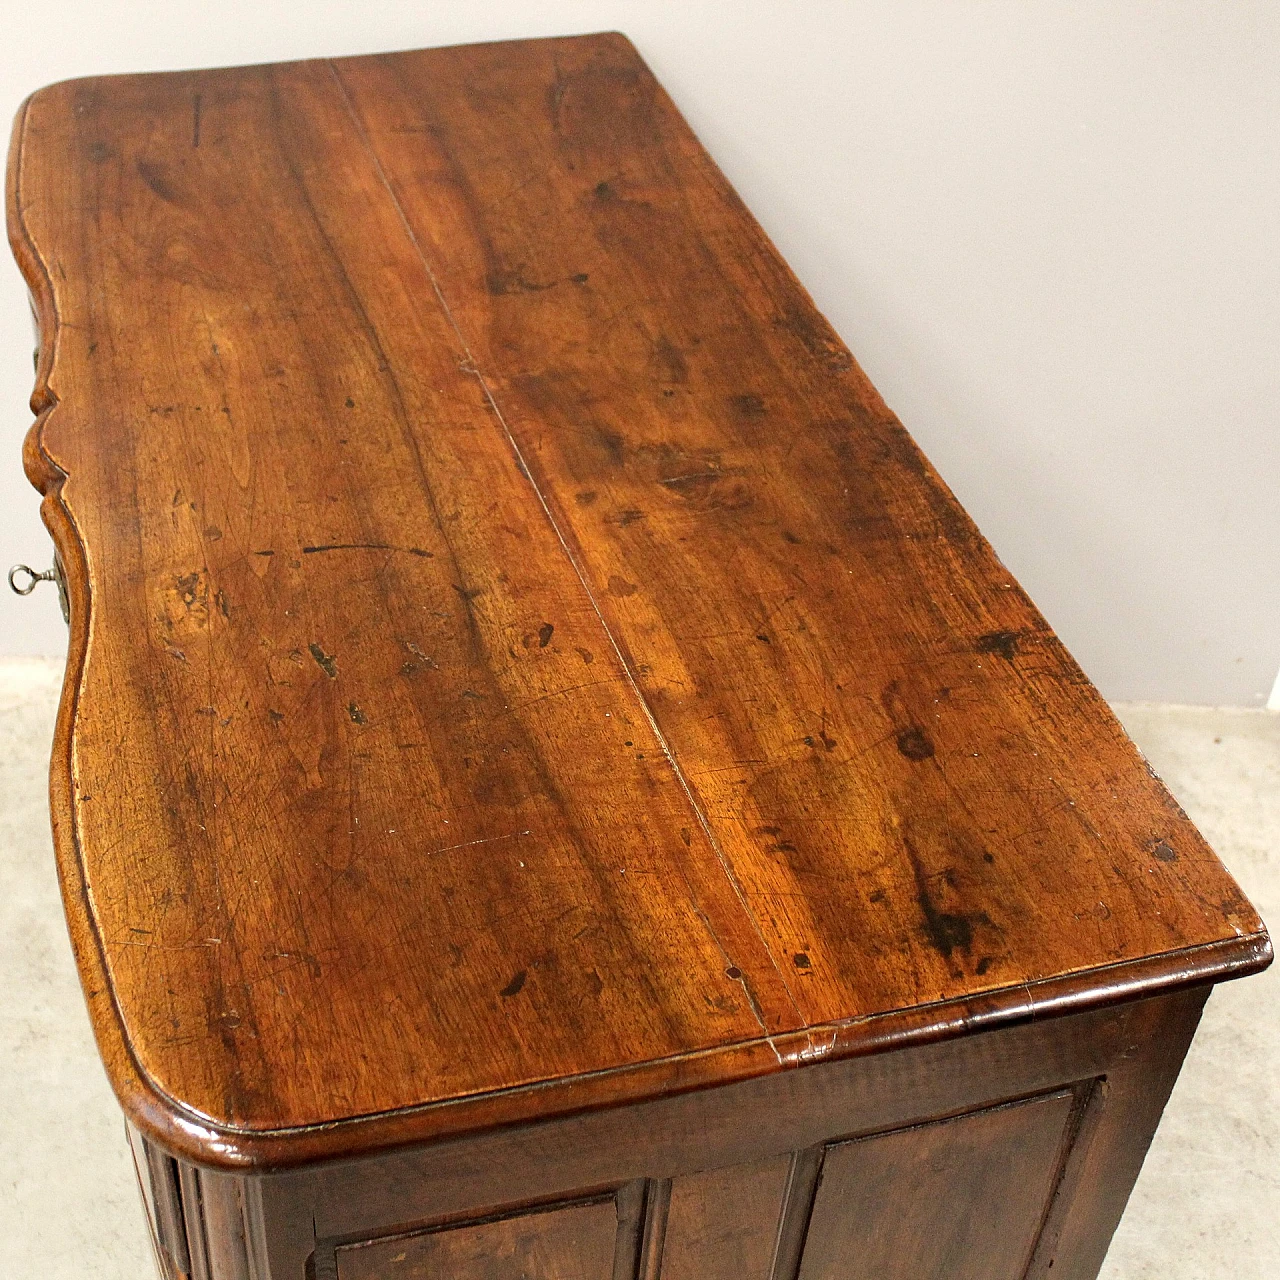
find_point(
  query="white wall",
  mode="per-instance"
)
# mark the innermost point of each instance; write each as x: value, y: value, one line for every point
x: 1048, y: 231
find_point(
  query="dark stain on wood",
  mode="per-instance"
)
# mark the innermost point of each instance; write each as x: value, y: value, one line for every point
x: 1002, y: 643
x: 366, y: 546
x: 157, y: 181
x: 914, y: 743
x: 326, y: 661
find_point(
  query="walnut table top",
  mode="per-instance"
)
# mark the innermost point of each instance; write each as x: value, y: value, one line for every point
x: 518, y: 662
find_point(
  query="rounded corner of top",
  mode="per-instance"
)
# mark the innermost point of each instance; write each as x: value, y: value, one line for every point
x: 185, y: 1134
x: 1264, y: 949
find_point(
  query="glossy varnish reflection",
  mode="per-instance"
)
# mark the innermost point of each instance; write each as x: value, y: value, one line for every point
x: 518, y: 662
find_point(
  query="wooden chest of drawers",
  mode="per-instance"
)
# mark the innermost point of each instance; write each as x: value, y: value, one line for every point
x: 550, y: 784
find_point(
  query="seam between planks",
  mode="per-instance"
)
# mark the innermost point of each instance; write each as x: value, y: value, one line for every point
x: 668, y: 752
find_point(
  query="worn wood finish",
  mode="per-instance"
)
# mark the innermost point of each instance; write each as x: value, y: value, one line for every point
x: 512, y: 643
x: 882, y: 736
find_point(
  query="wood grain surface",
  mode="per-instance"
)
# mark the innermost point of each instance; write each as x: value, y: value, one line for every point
x: 518, y: 662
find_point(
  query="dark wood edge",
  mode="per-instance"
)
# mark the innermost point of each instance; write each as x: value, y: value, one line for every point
x: 187, y: 1134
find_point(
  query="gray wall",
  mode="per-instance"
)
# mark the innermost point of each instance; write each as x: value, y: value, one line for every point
x: 1048, y: 231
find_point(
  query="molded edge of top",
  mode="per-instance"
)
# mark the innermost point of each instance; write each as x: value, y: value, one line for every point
x: 192, y: 1137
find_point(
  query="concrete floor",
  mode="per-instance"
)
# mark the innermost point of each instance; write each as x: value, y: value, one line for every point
x: 1207, y: 1204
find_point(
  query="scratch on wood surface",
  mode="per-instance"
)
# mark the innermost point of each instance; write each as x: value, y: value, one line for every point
x: 466, y: 844
x: 556, y: 693
x: 163, y: 946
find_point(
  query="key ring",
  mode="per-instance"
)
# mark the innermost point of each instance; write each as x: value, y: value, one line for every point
x: 33, y: 579
x: 23, y: 580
